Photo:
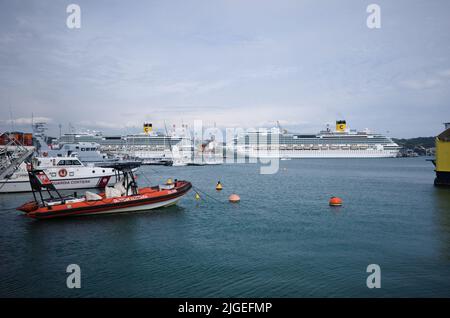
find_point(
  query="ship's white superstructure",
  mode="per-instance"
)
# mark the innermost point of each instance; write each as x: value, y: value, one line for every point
x: 87, y: 152
x: 147, y: 146
x: 340, y: 143
x: 173, y: 147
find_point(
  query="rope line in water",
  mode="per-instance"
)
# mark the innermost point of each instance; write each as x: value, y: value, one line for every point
x: 206, y: 194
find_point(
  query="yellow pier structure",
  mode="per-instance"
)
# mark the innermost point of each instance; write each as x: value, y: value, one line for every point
x: 442, y: 161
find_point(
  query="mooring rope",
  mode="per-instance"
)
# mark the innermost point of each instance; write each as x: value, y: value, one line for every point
x: 206, y: 194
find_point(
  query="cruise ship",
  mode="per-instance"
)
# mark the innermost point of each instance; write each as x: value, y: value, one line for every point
x: 147, y: 146
x: 339, y: 143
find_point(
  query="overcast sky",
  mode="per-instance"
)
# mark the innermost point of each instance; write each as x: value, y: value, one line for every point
x: 240, y: 63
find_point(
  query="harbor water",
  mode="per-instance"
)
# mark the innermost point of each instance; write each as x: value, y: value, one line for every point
x: 281, y: 240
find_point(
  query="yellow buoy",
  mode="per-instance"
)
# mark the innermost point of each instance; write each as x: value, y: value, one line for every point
x: 169, y: 181
x: 197, y: 196
x: 218, y: 186
x: 234, y: 198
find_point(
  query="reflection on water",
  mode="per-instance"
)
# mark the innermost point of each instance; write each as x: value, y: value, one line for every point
x: 442, y: 205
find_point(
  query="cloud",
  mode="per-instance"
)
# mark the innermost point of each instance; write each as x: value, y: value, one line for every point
x: 190, y: 87
x: 204, y: 86
x: 445, y: 73
x: 421, y: 84
x: 108, y: 125
x: 27, y: 120
x: 434, y: 79
x: 267, y: 72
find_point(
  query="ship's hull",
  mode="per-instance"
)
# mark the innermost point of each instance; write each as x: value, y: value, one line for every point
x: 298, y: 154
x: 144, y: 207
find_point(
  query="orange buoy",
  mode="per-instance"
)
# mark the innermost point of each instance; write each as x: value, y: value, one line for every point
x: 234, y: 198
x: 335, y: 201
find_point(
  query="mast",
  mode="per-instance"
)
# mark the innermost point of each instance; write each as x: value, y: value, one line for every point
x: 168, y: 138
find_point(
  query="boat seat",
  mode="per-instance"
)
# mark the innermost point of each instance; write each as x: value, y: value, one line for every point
x: 91, y: 196
x: 166, y: 186
x: 75, y: 200
x: 119, y: 186
x: 110, y: 192
x: 52, y: 203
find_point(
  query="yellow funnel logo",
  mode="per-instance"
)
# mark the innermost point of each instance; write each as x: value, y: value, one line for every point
x: 148, y: 127
x: 341, y: 125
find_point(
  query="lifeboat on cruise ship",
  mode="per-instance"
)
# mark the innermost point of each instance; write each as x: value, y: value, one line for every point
x: 125, y: 196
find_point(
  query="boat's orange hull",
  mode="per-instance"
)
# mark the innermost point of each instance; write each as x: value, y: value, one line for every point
x: 147, y: 198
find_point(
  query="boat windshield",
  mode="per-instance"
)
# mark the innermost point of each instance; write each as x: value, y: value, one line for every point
x: 69, y: 163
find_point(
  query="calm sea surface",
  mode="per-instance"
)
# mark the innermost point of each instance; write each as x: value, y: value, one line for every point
x: 282, y: 240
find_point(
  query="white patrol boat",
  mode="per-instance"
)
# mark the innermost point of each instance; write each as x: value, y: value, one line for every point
x: 65, y: 173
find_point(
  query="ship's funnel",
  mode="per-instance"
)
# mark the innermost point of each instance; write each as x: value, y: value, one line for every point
x: 148, y: 127
x: 341, y: 125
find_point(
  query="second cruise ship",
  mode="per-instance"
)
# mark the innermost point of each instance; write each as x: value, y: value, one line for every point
x: 340, y: 143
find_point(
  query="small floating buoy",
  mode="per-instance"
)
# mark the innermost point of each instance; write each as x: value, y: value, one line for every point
x: 197, y: 196
x: 335, y: 201
x: 218, y: 186
x: 234, y: 198
x: 169, y: 181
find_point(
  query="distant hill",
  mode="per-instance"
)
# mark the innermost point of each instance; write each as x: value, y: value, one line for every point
x: 426, y: 142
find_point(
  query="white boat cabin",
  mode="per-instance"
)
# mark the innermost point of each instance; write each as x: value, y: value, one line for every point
x: 46, y: 162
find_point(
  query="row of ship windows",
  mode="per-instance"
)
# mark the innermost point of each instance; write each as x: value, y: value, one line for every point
x: 284, y: 147
x: 128, y: 147
x: 155, y: 140
x: 123, y: 143
x: 288, y: 139
x: 314, y: 138
x: 318, y: 142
